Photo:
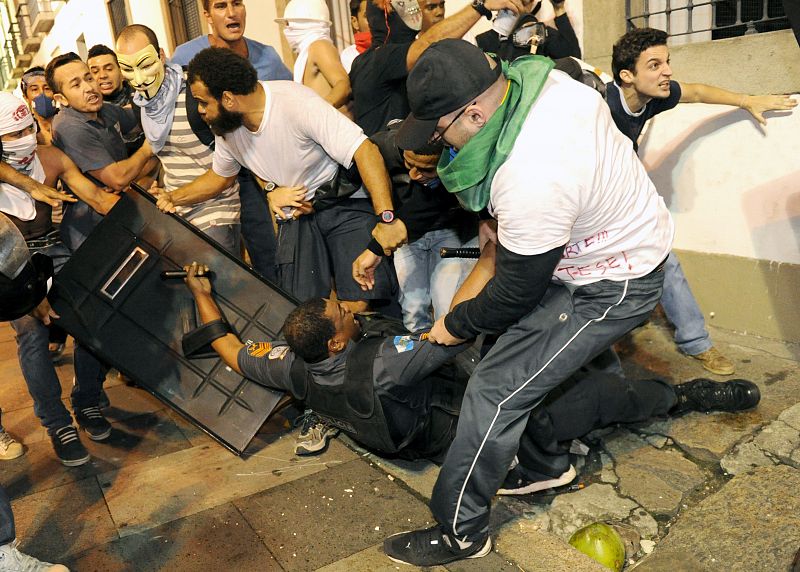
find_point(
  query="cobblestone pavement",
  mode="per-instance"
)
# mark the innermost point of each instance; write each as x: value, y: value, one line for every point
x: 699, y: 492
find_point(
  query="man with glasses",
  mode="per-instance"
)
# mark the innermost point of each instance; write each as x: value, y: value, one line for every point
x: 581, y: 237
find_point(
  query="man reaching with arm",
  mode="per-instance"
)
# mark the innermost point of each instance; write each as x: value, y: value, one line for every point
x: 642, y: 88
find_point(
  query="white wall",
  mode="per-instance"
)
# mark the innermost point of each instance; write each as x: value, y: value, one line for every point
x: 151, y: 14
x: 261, y: 24
x: 732, y: 186
x: 87, y: 17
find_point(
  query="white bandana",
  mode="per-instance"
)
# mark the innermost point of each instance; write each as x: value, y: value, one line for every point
x: 20, y: 154
x: 300, y: 36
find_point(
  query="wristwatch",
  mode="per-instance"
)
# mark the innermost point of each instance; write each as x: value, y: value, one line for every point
x: 269, y: 186
x: 386, y: 216
x: 478, y: 6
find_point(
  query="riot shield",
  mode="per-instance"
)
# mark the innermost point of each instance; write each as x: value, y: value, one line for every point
x: 112, y: 298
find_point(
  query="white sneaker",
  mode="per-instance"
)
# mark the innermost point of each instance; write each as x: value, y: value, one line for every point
x: 9, y: 447
x: 12, y: 560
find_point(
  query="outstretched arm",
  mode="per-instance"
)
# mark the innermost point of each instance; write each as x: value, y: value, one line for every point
x: 756, y: 105
x: 456, y: 26
x: 37, y: 190
x: 227, y: 346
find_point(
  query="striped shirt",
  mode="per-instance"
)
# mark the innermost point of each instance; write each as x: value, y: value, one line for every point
x: 184, y: 158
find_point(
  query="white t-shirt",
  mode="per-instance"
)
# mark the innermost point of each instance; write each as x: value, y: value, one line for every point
x: 302, y: 140
x: 573, y: 178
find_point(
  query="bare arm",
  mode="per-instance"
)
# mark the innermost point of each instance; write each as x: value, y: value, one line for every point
x: 455, y: 26
x: 98, y: 199
x: 376, y: 179
x: 227, y: 346
x: 326, y: 58
x: 37, y: 190
x: 756, y: 105
x: 206, y: 186
x: 118, y: 176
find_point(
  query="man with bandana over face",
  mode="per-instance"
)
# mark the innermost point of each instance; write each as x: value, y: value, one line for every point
x: 378, y: 76
x: 46, y: 165
x: 361, y: 35
x: 161, y: 93
x: 308, y: 31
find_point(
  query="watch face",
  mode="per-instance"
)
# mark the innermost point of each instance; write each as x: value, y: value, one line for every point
x: 387, y: 216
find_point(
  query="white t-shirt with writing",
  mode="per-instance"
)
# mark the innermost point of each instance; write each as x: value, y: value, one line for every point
x: 573, y: 179
x: 302, y: 140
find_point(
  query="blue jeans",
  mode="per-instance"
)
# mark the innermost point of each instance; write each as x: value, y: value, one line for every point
x: 7, y: 532
x: 257, y: 227
x: 40, y: 375
x: 427, y: 279
x: 682, y: 310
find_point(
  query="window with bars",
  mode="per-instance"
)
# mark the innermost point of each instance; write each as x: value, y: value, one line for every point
x: 702, y: 20
x: 185, y: 19
x: 119, y: 15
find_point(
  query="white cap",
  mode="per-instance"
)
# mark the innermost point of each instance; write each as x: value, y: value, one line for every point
x: 305, y: 11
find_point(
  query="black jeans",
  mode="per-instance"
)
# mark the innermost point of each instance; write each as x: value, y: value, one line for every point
x: 7, y: 532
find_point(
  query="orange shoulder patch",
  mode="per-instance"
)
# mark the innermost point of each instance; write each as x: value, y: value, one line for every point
x: 259, y: 349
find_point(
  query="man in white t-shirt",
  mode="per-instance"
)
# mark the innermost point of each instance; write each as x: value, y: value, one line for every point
x: 581, y: 238
x: 288, y: 136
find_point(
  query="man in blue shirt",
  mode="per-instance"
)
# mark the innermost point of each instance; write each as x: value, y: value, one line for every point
x: 642, y: 88
x: 226, y: 21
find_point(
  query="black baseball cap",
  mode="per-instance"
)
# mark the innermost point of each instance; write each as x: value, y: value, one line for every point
x: 448, y: 75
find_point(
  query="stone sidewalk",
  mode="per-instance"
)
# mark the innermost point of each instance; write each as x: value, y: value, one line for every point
x: 701, y: 492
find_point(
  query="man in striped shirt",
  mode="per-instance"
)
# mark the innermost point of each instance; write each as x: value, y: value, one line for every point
x: 184, y: 150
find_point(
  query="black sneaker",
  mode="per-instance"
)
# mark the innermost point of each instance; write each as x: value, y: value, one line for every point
x: 92, y: 421
x: 431, y: 546
x: 521, y: 481
x: 68, y: 447
x: 707, y: 395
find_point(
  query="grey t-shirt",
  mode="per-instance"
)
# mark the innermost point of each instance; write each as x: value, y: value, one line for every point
x: 93, y: 143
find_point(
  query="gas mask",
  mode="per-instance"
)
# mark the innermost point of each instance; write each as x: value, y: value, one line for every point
x: 144, y: 70
x: 23, y: 278
x: 44, y: 106
x: 410, y: 12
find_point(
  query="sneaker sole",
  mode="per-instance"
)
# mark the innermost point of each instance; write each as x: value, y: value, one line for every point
x: 75, y: 462
x: 302, y: 451
x: 537, y: 486
x: 11, y: 456
x: 99, y: 437
x: 485, y: 550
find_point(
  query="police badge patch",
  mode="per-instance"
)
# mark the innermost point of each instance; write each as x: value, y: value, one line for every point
x: 278, y: 352
x: 259, y: 349
x: 403, y: 343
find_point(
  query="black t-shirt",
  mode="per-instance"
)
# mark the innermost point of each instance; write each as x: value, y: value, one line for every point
x: 632, y: 125
x: 561, y: 42
x: 378, y: 81
x: 421, y: 208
